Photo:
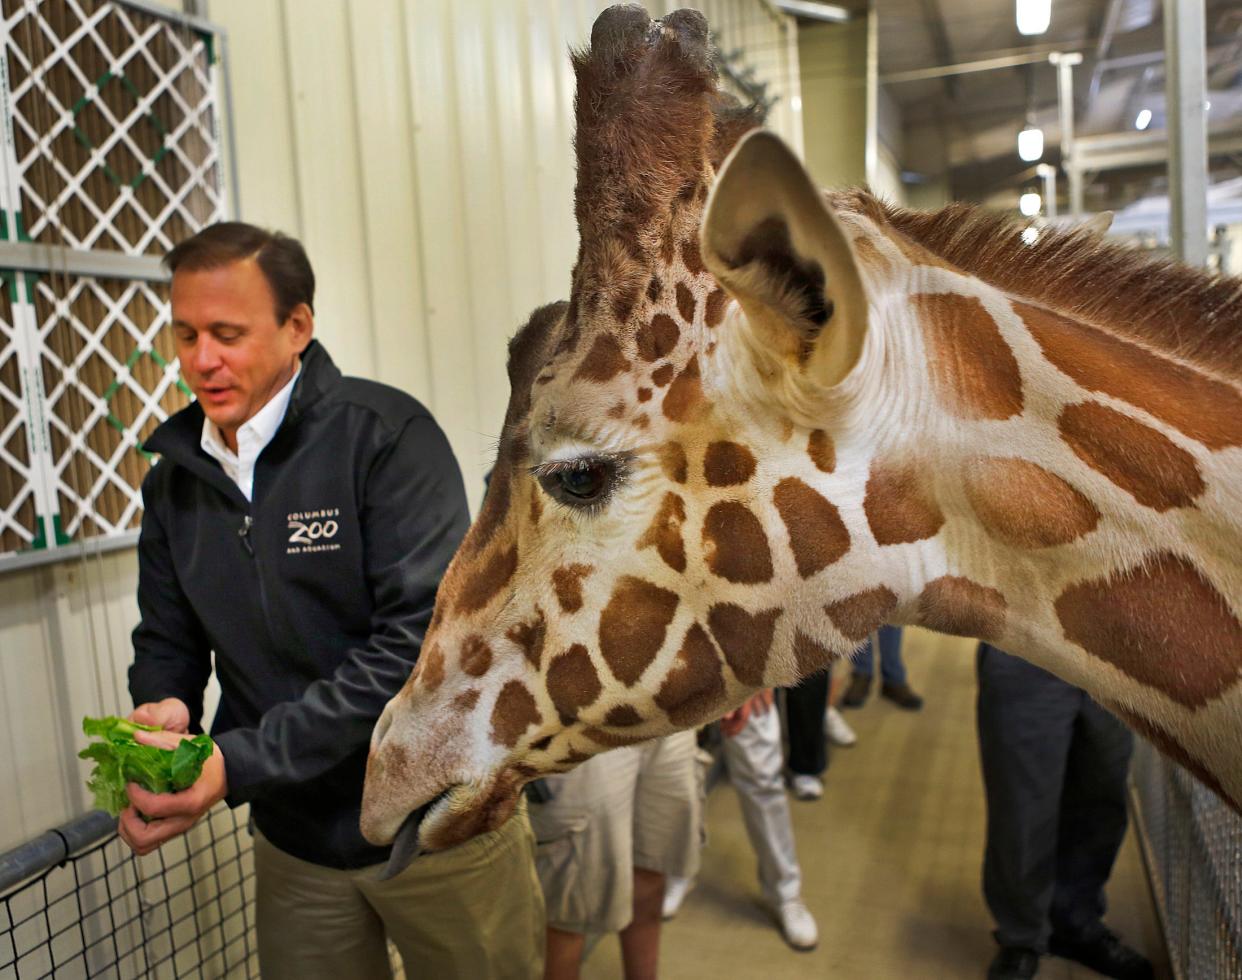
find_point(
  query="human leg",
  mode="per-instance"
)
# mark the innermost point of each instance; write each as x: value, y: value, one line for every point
x: 640, y: 940
x: 892, y: 667
x: 313, y: 922
x: 473, y: 910
x: 1025, y: 723
x: 804, y: 711
x: 863, y: 664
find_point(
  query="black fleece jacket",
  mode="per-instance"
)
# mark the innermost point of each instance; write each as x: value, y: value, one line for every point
x: 314, y: 597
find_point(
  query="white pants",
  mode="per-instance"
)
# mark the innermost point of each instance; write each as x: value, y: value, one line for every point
x: 754, y: 759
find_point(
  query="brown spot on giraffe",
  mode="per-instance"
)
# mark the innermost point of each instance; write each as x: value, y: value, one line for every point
x: 956, y: 605
x: 673, y: 462
x: 745, y: 638
x: 658, y: 338
x: 857, y: 615
x: 694, y: 684
x: 603, y: 362
x: 495, y: 508
x: 1026, y: 506
x: 684, y: 398
x: 817, y: 535
x: 714, y: 309
x: 664, y: 534
x: 632, y: 626
x: 622, y: 716
x: 809, y: 655
x: 644, y: 394
x: 727, y: 464
x: 1206, y: 410
x: 654, y: 288
x: 529, y: 636
x: 617, y: 411
x: 567, y: 583
x: 612, y: 740
x: 735, y: 545
x: 575, y: 758
x: 821, y: 450
x: 476, y: 656
x: 867, y: 252
x: 685, y: 303
x: 1145, y: 463
x: 691, y: 257
x: 573, y: 682
x: 1163, y: 739
x: 1125, y: 620
x: 515, y: 711
x: 536, y: 508
x: 972, y: 367
x: 640, y: 422
x: 663, y: 375
x: 464, y: 702
x: 484, y: 584
x: 899, y: 505
x: 431, y: 667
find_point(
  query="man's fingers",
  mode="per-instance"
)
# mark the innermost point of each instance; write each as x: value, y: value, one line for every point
x: 162, y: 805
x: 143, y: 838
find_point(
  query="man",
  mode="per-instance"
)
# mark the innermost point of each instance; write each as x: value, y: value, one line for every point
x: 297, y: 527
x: 1054, y: 770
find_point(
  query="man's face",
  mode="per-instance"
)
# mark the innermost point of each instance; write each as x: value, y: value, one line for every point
x: 233, y: 353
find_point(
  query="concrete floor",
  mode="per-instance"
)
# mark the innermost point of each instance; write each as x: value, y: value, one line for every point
x: 890, y: 857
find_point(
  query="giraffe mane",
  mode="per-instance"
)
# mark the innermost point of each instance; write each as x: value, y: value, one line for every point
x: 1181, y: 311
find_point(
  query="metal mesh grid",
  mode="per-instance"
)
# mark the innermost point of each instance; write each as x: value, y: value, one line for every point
x: 113, y: 126
x: 185, y: 911
x: 109, y: 376
x: 1192, y: 843
x: 18, y: 511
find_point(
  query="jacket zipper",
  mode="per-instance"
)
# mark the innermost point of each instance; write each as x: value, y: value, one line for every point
x: 244, y: 533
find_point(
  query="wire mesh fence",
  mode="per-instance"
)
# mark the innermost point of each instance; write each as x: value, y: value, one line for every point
x: 185, y: 911
x: 1192, y: 843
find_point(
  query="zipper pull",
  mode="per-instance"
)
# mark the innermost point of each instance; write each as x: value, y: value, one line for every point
x: 244, y: 533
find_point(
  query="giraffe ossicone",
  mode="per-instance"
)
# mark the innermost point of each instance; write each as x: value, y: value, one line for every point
x: 769, y: 419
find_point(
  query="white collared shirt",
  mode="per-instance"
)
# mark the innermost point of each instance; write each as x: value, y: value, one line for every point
x: 252, y: 438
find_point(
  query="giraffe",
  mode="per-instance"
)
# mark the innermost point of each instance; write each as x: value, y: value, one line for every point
x: 770, y: 419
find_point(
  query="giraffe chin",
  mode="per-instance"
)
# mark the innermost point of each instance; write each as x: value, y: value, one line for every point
x: 456, y: 815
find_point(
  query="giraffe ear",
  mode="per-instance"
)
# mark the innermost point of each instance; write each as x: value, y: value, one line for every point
x: 771, y: 241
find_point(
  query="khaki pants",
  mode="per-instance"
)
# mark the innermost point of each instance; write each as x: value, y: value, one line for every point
x: 472, y: 911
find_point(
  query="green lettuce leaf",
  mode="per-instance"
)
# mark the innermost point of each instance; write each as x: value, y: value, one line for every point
x: 119, y: 760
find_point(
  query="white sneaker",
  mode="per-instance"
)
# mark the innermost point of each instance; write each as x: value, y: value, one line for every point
x: 675, y: 892
x: 839, y: 731
x: 807, y: 787
x: 797, y: 924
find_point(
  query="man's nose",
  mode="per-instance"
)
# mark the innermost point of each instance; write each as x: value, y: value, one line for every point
x: 205, y: 356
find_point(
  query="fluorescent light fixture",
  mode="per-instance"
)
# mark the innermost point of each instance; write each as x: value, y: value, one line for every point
x: 1143, y: 119
x: 815, y: 11
x: 796, y: 103
x: 1029, y: 204
x: 1030, y: 235
x: 1034, y: 16
x: 1031, y: 143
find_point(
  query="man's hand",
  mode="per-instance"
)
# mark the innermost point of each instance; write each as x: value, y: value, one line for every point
x: 171, y: 714
x: 170, y: 814
x: 758, y: 704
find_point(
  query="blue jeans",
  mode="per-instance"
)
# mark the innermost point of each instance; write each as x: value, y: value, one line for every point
x: 892, y: 670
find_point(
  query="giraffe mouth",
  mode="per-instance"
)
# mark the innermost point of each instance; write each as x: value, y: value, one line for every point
x: 406, y: 846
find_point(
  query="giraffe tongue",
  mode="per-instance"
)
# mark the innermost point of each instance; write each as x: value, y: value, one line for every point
x: 405, y: 846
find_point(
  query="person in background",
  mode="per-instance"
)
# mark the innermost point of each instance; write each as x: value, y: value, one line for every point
x: 812, y: 723
x: 296, y: 528
x: 893, y: 683
x: 1054, y: 771
x: 754, y: 761
x: 610, y: 833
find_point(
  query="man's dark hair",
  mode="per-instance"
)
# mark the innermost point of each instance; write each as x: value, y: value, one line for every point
x: 282, y: 259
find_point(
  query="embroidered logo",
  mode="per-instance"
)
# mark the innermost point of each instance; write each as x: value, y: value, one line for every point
x: 312, y: 530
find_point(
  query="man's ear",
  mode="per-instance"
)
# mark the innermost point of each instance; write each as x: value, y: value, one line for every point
x: 302, y: 322
x: 771, y: 241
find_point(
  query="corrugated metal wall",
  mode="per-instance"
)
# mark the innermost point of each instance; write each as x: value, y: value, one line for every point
x: 421, y: 150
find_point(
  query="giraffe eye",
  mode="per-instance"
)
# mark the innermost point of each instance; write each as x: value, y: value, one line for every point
x: 579, y: 483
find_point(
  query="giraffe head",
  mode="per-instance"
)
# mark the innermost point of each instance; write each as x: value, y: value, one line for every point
x: 736, y: 450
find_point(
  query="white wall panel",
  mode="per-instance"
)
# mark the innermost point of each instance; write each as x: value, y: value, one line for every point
x: 421, y: 149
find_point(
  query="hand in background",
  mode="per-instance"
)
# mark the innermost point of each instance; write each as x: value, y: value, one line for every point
x: 759, y: 703
x: 170, y: 814
x: 171, y: 714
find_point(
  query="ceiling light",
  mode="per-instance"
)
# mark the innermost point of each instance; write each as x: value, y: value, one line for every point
x: 1029, y: 204
x: 1034, y: 16
x: 1031, y: 143
x: 1030, y: 235
x: 1143, y: 119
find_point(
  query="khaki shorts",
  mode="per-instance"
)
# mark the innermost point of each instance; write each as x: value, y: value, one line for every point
x: 471, y: 911
x: 634, y: 807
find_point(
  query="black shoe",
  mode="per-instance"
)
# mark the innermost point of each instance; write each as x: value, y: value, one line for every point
x: 856, y: 693
x: 1014, y: 963
x: 1099, y: 948
x: 901, y: 695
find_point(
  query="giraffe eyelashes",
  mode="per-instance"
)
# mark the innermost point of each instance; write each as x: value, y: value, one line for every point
x: 585, y: 484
